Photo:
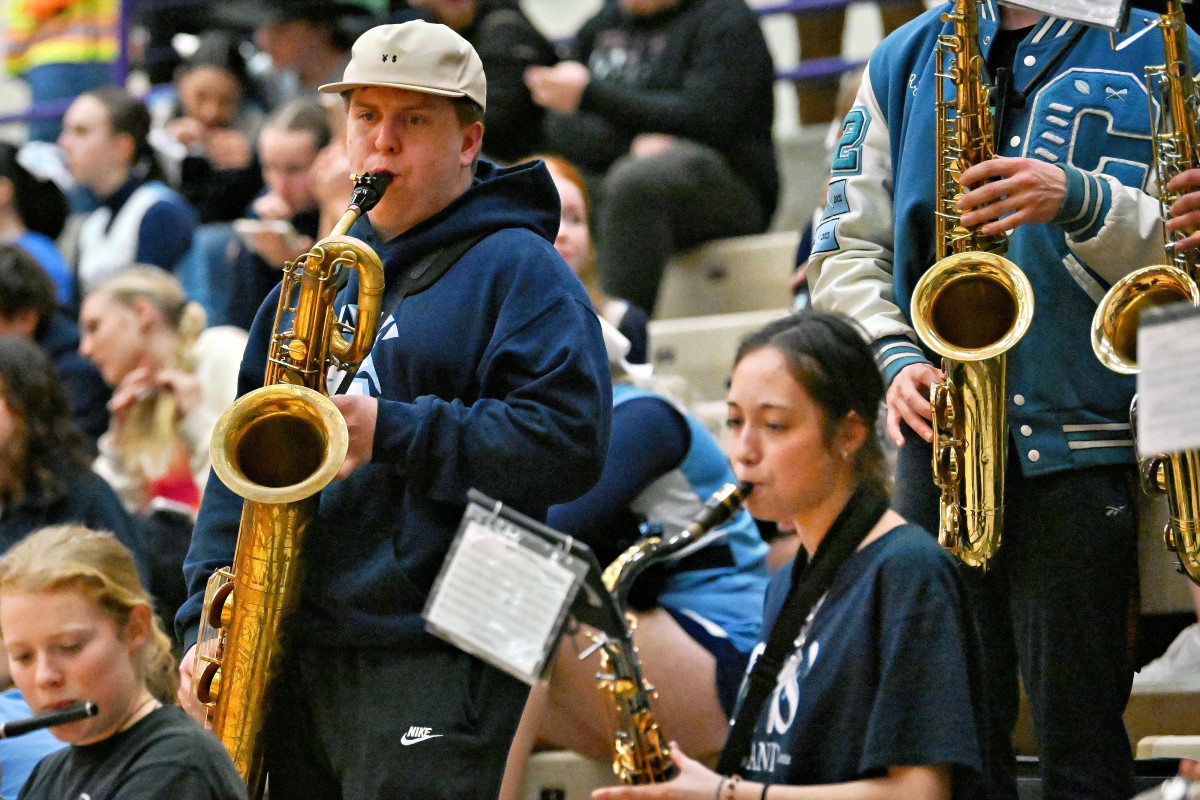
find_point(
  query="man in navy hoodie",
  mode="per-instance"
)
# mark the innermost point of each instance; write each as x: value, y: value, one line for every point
x: 493, y: 377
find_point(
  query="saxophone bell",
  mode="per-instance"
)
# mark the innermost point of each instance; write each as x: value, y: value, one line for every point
x: 278, y: 447
x: 1176, y: 146
x: 971, y: 309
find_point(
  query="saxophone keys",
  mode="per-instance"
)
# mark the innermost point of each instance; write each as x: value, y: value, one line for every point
x: 586, y: 653
x: 208, y: 687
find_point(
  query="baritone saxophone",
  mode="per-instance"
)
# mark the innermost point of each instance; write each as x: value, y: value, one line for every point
x: 970, y: 308
x: 640, y: 751
x: 277, y: 447
x: 1176, y: 144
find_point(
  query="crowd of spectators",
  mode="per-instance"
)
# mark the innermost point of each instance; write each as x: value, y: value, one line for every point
x: 129, y: 275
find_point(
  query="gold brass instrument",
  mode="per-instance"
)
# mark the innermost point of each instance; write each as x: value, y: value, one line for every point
x: 1176, y: 144
x: 640, y: 751
x: 277, y: 447
x: 970, y: 308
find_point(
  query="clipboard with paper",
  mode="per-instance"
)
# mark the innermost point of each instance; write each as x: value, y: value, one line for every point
x: 509, y: 584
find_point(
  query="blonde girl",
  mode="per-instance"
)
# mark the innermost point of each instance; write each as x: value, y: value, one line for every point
x: 171, y: 379
x: 78, y: 626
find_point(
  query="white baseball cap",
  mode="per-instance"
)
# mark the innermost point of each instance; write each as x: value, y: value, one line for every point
x: 419, y: 56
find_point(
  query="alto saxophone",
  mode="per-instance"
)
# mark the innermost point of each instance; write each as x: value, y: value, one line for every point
x: 971, y: 308
x: 1176, y: 144
x: 640, y: 751
x: 277, y: 447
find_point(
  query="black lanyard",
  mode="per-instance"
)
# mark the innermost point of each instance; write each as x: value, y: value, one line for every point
x: 811, y: 579
x: 1005, y: 95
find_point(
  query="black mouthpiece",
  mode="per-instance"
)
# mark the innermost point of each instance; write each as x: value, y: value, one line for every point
x: 368, y: 190
x: 48, y: 720
x: 720, y: 507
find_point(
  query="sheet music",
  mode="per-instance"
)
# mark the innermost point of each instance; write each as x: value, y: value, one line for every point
x: 503, y: 595
x: 1169, y: 381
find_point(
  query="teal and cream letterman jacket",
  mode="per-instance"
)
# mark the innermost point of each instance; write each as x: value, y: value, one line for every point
x: 1090, y: 115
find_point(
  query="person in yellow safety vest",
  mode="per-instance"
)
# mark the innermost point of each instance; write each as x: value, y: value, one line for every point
x: 61, y: 48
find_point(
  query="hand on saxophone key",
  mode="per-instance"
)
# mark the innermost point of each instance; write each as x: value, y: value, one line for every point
x: 908, y: 400
x: 1010, y: 192
x: 183, y: 695
x: 1185, y: 211
x: 360, y: 413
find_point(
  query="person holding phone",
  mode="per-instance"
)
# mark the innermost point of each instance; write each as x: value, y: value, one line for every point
x: 282, y: 223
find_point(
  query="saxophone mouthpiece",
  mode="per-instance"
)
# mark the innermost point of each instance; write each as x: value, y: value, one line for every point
x: 721, y: 507
x: 368, y: 190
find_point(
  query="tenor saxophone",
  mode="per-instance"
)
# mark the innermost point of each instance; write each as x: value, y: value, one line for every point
x: 277, y: 447
x: 970, y: 308
x: 1176, y: 144
x: 640, y: 751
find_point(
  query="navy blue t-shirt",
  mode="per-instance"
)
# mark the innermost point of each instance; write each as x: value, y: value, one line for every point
x: 878, y: 677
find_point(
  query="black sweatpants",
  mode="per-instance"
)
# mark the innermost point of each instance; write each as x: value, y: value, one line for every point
x: 1055, y: 602
x: 651, y: 207
x: 381, y: 724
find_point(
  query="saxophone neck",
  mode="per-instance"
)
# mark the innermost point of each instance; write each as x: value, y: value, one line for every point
x: 349, y: 217
x: 619, y: 576
x: 964, y: 130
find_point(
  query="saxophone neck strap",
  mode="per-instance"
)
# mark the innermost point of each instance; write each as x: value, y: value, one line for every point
x: 1006, y: 95
x: 415, y: 279
x: 811, y: 579
x: 425, y: 273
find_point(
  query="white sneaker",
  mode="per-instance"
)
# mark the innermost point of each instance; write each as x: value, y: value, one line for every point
x: 1177, y: 670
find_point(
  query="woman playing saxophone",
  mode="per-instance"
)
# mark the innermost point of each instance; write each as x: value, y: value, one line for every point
x: 695, y: 620
x: 883, y: 640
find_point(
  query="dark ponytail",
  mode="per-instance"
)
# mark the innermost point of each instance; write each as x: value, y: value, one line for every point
x: 127, y: 114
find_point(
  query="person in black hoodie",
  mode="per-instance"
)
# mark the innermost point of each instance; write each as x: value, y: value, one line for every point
x: 494, y: 376
x: 670, y: 103
x: 208, y: 129
x: 507, y: 43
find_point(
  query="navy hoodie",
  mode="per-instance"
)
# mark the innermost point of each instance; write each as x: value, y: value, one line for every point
x: 495, y: 378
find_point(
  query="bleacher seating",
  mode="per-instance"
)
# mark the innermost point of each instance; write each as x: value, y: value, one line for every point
x: 700, y: 350
x: 563, y: 775
x: 1169, y: 747
x: 743, y: 273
